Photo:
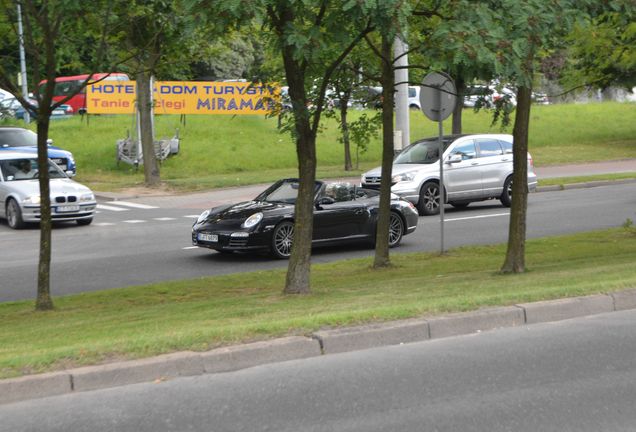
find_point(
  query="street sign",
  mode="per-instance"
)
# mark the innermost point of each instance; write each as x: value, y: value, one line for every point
x: 438, y: 96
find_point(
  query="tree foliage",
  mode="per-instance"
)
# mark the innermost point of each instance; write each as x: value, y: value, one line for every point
x: 612, y: 32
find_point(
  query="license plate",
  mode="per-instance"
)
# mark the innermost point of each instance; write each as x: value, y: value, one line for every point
x: 68, y: 208
x: 208, y: 237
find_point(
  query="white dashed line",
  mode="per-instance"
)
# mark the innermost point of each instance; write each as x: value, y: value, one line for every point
x: 477, y: 217
x: 130, y: 204
x: 134, y: 221
x: 164, y: 219
x: 192, y: 216
x: 190, y: 247
x: 111, y: 208
x: 103, y: 224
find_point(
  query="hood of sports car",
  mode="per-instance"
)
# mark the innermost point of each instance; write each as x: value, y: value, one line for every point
x: 243, y: 210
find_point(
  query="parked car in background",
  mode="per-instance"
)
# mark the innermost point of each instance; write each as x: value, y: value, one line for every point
x: 4, y: 94
x: 342, y: 213
x: 540, y: 98
x: 66, y: 85
x: 20, y: 192
x: 26, y: 141
x: 414, y: 98
x: 476, y: 167
x: 12, y: 107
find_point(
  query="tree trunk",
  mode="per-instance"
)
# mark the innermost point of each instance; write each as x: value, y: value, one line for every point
x: 144, y: 103
x: 388, y: 86
x: 460, y: 85
x: 515, y: 255
x: 298, y: 271
x: 43, y: 300
x: 344, y: 125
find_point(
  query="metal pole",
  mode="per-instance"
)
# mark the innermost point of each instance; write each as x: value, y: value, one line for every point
x: 23, y: 74
x: 402, y: 120
x: 438, y: 102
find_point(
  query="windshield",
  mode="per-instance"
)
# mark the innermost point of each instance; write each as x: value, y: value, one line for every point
x: 18, y: 138
x: 423, y: 152
x: 284, y: 191
x: 26, y: 169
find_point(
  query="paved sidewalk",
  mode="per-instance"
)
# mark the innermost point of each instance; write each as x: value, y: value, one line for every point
x: 241, y: 193
x: 324, y: 342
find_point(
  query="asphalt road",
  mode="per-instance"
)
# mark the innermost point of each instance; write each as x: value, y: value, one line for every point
x: 147, y: 240
x: 574, y: 375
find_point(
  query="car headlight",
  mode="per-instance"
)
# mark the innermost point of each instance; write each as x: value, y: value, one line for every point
x: 203, y: 216
x: 87, y: 197
x: 362, y: 179
x: 407, y: 176
x: 253, y: 220
x: 33, y: 199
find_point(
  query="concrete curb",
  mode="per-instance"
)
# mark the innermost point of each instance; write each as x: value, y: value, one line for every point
x: 168, y: 366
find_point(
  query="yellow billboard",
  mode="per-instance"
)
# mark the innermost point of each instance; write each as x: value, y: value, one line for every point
x: 184, y: 97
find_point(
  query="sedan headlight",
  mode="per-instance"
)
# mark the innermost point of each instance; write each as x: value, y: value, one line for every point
x: 87, y: 197
x: 203, y: 216
x: 407, y: 176
x: 33, y: 199
x: 253, y: 220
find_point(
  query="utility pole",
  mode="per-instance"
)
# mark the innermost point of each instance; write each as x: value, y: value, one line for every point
x: 402, y: 137
x: 23, y: 74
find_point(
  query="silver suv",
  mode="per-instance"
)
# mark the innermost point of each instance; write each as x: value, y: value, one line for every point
x: 476, y: 168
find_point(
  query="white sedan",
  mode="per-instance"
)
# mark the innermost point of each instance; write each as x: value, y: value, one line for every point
x: 20, y: 192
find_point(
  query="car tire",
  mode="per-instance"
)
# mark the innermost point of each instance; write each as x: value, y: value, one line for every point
x: 506, y: 195
x: 82, y: 222
x: 396, y: 230
x: 282, y: 240
x: 428, y: 203
x: 14, y: 214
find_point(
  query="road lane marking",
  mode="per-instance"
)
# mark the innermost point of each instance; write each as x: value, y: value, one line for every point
x: 190, y: 247
x: 478, y: 217
x: 192, y: 216
x: 111, y: 208
x: 130, y: 204
x: 103, y: 224
x: 164, y: 219
x: 134, y: 221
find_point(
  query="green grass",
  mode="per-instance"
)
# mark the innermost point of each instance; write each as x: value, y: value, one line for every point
x: 562, y: 181
x: 202, y: 313
x: 218, y: 151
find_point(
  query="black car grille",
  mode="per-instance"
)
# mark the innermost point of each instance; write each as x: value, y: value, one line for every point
x: 65, y: 199
x: 238, y: 242
x: 372, y: 180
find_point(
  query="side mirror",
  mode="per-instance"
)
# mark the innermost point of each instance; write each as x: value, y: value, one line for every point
x: 49, y: 141
x: 454, y: 158
x: 70, y: 173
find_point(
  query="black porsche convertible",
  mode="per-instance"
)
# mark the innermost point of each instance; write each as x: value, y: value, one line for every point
x: 342, y: 213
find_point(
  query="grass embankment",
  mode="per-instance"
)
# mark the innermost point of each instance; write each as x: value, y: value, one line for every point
x: 199, y: 314
x: 219, y: 151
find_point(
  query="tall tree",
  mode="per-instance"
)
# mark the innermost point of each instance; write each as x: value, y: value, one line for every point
x: 156, y: 37
x: 313, y: 38
x: 53, y: 35
x: 524, y: 32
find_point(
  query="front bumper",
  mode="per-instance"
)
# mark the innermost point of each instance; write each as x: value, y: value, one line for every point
x: 232, y: 240
x: 32, y: 213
